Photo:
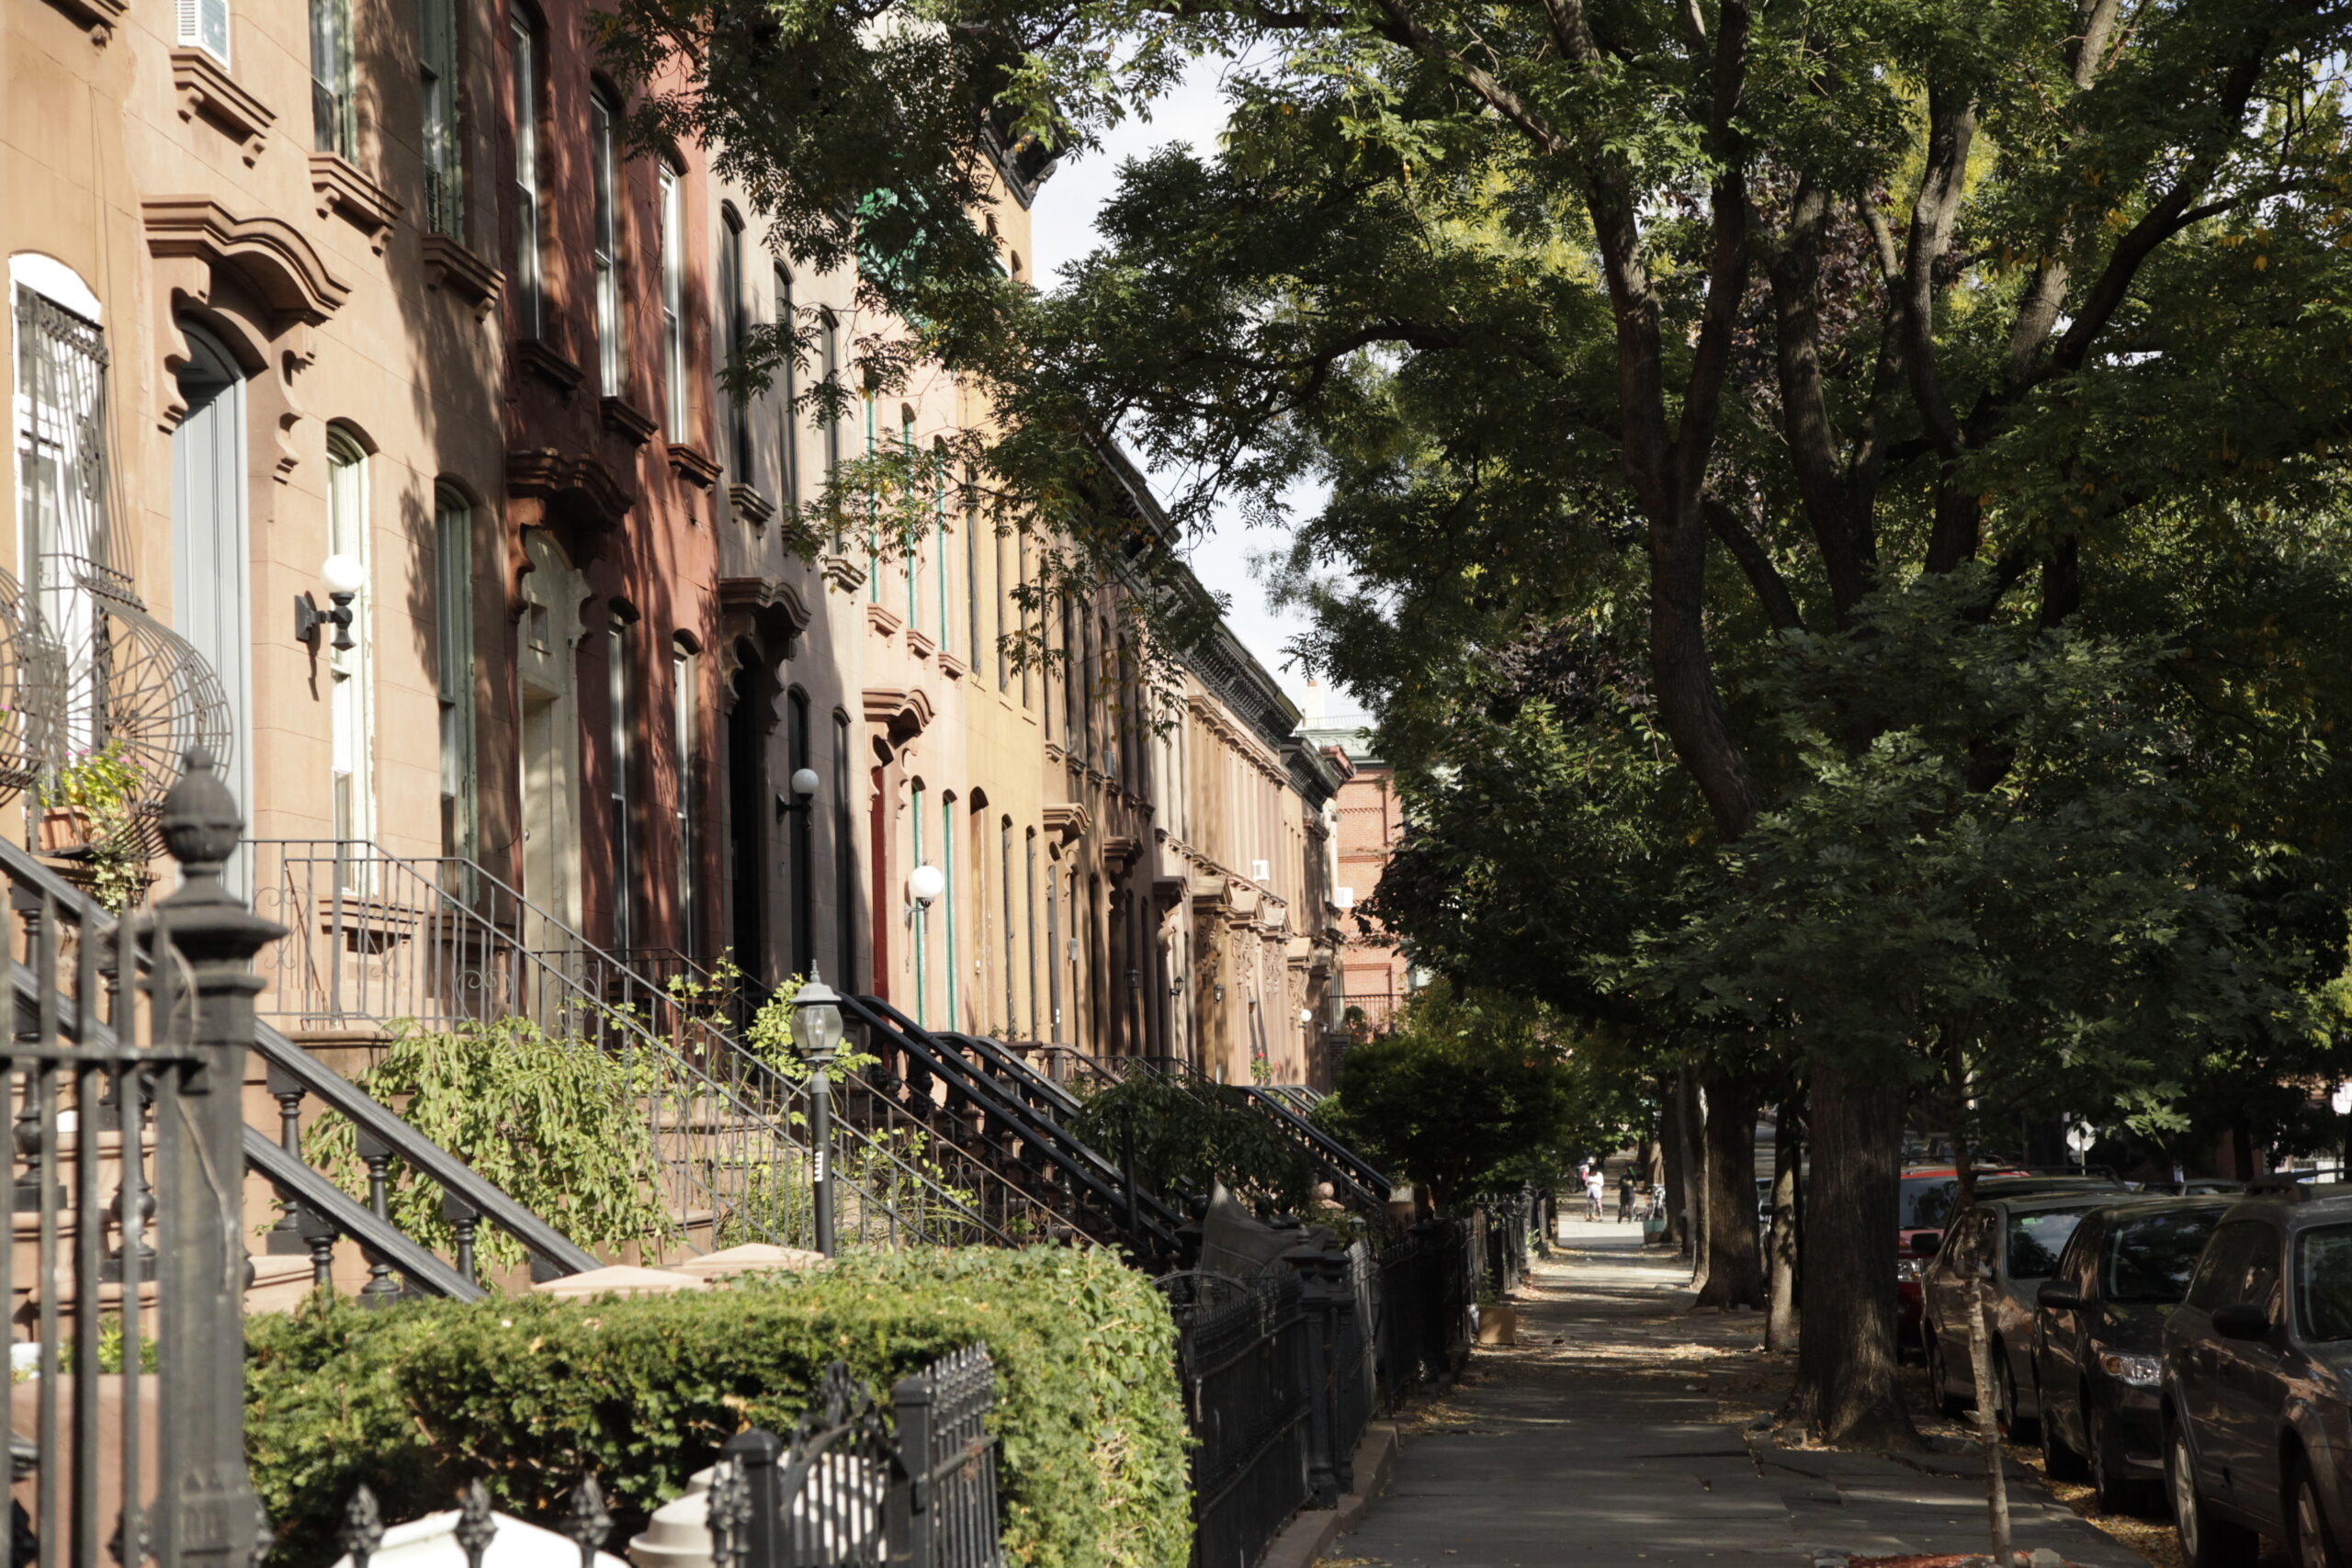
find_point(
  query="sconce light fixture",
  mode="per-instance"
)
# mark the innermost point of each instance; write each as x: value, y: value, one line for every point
x: 804, y: 791
x: 343, y: 577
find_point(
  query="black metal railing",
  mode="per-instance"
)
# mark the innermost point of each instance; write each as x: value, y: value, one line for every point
x: 1242, y: 1359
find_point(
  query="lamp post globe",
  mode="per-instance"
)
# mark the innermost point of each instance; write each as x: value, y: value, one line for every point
x: 817, y: 1028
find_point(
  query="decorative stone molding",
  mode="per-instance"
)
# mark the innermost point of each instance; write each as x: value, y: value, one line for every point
x: 692, y: 464
x: 205, y: 88
x: 843, y: 573
x: 750, y: 504
x: 268, y: 254
x: 622, y: 418
x: 771, y: 606
x: 1068, y: 822
x: 882, y: 619
x: 1120, y: 854
x: 951, y: 666
x: 450, y: 267
x: 579, y: 487
x: 919, y: 643
x: 340, y: 187
x: 540, y: 357
x: 98, y: 15
x: 901, y: 715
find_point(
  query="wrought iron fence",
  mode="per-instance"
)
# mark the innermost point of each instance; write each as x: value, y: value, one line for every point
x: 1242, y: 1359
x: 124, y: 1268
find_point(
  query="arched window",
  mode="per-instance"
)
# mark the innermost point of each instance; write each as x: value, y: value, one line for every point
x: 620, y: 780
x: 915, y: 807
x: 914, y: 545
x: 444, y: 207
x: 1029, y: 901
x: 351, y: 716
x: 844, y: 854
x: 1004, y: 941
x: 947, y: 897
x: 787, y: 458
x: 685, y: 718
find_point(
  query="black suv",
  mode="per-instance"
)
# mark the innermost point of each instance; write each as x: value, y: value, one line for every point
x: 2096, y: 1337
x: 2258, y: 1383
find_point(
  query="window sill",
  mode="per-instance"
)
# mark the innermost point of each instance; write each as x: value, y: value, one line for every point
x: 879, y: 617
x: 843, y: 573
x: 919, y: 644
x: 750, y: 504
x: 205, y: 88
x: 450, y: 267
x: 343, y: 188
x: 952, y: 667
x: 538, y: 356
x: 622, y: 418
x: 692, y: 465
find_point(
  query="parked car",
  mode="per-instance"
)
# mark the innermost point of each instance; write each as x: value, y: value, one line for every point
x: 1929, y: 1191
x: 2097, y: 1335
x: 2257, y: 1383
x: 2020, y: 1234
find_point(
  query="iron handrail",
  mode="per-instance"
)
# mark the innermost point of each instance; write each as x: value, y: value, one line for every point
x: 1317, y: 1139
x: 1082, y: 1164
x: 298, y: 1183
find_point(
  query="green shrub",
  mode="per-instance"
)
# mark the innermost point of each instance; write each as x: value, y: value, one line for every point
x: 527, y: 1394
x: 1188, y: 1135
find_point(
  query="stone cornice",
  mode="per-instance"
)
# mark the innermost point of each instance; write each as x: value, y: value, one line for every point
x: 268, y: 254
x: 341, y: 187
x: 452, y: 268
x: 577, y: 485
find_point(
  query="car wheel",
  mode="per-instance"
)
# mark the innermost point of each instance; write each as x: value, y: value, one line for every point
x: 2205, y: 1541
x: 2117, y: 1493
x: 2314, y: 1548
x: 2060, y: 1460
x: 2017, y: 1429
x: 1938, y: 1385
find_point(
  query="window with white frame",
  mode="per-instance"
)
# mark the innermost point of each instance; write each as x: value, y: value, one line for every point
x: 204, y: 24
x: 453, y: 609
x: 736, y: 318
x: 63, y: 486
x: 333, y: 122
x: 529, y: 308
x: 788, y: 468
x: 673, y: 303
x: 604, y: 244
x: 445, y: 211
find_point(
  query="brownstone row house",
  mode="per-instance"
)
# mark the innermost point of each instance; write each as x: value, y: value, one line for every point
x: 364, y: 383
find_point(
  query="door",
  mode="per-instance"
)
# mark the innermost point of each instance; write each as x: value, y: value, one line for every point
x: 548, y: 664
x: 746, y: 789
x: 2248, y: 1395
x: 212, y: 548
x: 2195, y: 1367
x: 2058, y: 1369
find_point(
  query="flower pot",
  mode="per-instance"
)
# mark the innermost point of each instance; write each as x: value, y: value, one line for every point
x: 63, y: 830
x: 1498, y: 1326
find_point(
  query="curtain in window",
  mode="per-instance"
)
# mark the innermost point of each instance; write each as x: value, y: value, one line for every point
x: 527, y: 291
x: 453, y: 607
x: 437, y: 70
x: 605, y: 244
x: 334, y: 123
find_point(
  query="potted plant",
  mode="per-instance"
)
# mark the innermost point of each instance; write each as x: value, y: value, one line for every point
x: 86, y: 806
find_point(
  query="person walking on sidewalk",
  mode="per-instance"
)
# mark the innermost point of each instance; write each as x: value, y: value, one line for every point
x: 1595, y: 1184
x: 1625, y: 1196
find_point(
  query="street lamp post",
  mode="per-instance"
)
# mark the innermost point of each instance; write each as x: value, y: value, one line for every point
x: 817, y: 1027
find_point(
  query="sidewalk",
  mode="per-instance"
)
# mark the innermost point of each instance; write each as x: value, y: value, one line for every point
x: 1617, y: 1436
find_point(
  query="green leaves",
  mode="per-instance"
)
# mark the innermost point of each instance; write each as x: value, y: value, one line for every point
x: 1187, y: 1136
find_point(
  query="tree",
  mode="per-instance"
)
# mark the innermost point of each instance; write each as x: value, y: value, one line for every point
x: 1734, y: 320
x: 1473, y: 1094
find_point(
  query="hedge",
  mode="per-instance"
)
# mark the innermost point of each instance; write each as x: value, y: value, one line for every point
x: 527, y: 1394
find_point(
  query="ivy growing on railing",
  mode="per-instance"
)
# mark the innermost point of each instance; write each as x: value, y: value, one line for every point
x: 558, y: 1125
x: 1188, y: 1135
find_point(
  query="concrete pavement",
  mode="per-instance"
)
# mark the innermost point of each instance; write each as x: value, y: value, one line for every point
x: 1621, y: 1433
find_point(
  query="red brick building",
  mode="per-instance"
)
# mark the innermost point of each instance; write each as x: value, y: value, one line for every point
x: 1374, y: 976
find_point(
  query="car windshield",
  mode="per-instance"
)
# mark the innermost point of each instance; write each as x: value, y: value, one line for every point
x: 1927, y: 1202
x: 2036, y: 1238
x: 2324, y: 1282
x: 2151, y: 1260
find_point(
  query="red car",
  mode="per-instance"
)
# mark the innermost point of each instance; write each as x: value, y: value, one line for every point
x: 1929, y: 1192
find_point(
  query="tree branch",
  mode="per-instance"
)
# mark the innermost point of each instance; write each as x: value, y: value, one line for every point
x: 1771, y: 588
x: 1805, y: 424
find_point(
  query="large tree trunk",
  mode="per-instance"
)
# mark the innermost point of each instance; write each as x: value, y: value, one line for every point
x: 1734, y: 1266
x: 1688, y: 1153
x: 1846, y: 1390
x: 1781, y: 1246
x: 1697, y: 1181
x: 1670, y: 1159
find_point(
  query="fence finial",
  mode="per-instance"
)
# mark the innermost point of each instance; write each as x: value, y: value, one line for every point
x: 475, y: 1526
x: 589, y: 1521
x: 729, y: 1513
x: 363, y: 1527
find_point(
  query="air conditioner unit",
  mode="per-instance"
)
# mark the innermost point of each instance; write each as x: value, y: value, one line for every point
x: 1261, y: 871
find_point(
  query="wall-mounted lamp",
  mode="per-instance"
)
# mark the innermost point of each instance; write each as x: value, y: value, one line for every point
x: 343, y: 577
x: 925, y: 884
x: 804, y: 791
x: 1220, y: 990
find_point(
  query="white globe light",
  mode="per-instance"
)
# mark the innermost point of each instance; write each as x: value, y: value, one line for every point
x: 804, y: 782
x: 925, y: 883
x: 342, y: 574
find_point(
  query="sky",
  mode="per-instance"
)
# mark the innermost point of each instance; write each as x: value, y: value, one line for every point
x: 1062, y: 230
